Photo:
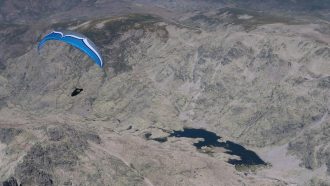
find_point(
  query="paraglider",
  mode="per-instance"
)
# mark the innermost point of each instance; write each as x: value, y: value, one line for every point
x: 77, y: 40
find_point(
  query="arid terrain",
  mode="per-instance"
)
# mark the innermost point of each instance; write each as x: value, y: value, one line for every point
x: 250, y: 81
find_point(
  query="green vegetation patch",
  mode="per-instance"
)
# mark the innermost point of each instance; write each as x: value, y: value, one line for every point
x: 251, y: 168
x: 12, y: 33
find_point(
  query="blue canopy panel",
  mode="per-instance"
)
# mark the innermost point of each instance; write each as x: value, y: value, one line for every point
x: 77, y: 40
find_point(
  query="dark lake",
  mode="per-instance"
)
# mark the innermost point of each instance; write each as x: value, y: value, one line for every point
x: 247, y: 157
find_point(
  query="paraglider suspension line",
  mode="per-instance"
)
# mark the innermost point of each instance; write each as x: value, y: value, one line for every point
x: 77, y: 70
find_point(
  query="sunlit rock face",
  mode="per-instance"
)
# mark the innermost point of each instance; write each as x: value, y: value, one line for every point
x: 259, y: 79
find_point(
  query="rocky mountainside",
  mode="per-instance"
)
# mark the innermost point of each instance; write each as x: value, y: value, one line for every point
x: 258, y: 79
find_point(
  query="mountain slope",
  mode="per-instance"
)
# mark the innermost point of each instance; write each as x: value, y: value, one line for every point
x: 261, y: 81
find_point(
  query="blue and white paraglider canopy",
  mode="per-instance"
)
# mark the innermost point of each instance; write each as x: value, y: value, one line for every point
x: 77, y: 40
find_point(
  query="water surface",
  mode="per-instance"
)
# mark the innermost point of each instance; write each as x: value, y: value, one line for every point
x: 211, y: 139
